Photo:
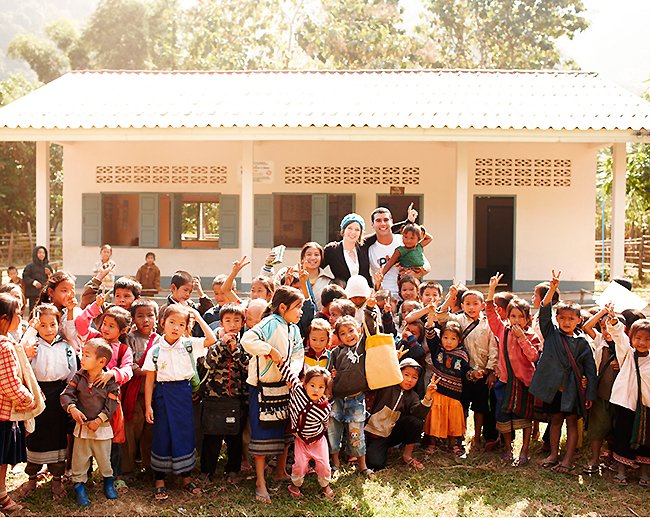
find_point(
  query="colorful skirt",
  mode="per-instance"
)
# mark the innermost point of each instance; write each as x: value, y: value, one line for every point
x: 49, y: 441
x: 12, y: 442
x: 507, y: 421
x: 265, y: 440
x: 446, y: 418
x: 172, y: 445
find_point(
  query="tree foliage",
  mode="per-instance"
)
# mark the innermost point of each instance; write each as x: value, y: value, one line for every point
x: 497, y: 33
x: 356, y: 34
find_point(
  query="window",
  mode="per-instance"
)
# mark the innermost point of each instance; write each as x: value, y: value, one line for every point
x: 199, y: 221
x: 338, y: 206
x: 292, y: 219
x: 398, y: 205
x: 153, y: 220
x: 121, y: 219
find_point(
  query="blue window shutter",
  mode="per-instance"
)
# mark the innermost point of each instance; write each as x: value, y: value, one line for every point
x: 319, y: 218
x: 149, y: 220
x: 263, y: 221
x: 229, y: 221
x: 91, y: 219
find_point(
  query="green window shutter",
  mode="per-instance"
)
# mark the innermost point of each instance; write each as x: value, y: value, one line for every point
x: 149, y: 220
x: 229, y: 221
x: 91, y: 219
x: 177, y: 220
x: 263, y: 221
x: 319, y: 218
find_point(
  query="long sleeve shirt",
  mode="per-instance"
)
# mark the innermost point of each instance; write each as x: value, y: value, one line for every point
x: 272, y: 331
x: 12, y: 391
x: 554, y: 370
x: 52, y: 362
x: 522, y: 352
x: 480, y: 344
x: 308, y: 418
x: 121, y: 364
x: 450, y: 366
x: 227, y: 371
x: 625, y: 391
x: 389, y: 404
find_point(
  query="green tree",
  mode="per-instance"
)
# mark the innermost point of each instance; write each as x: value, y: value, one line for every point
x: 235, y: 35
x: 497, y: 33
x: 42, y: 56
x: 356, y: 34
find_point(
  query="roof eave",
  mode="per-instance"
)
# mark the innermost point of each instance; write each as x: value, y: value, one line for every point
x: 330, y: 134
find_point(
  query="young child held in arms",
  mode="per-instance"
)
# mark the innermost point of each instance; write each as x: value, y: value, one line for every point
x: 54, y: 362
x: 91, y: 404
x: 631, y: 401
x: 518, y: 353
x: 227, y: 368
x: 136, y: 429
x: 557, y: 381
x: 168, y: 406
x: 411, y: 254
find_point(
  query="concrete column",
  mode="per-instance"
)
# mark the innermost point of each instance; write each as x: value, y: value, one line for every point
x: 619, y: 155
x: 247, y: 200
x: 462, y: 222
x: 43, y: 194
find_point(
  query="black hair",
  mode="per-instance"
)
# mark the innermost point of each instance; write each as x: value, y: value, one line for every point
x: 408, y: 278
x: 128, y: 283
x: 414, y: 228
x: 503, y: 298
x: 122, y: 318
x: 626, y: 283
x: 435, y: 285
x: 476, y: 293
x: 379, y: 210
x: 232, y: 309
x: 178, y: 309
x: 319, y: 372
x: 47, y: 309
x: 150, y: 254
x: 12, y: 267
x: 8, y: 309
x: 52, y: 282
x: 569, y: 305
x: 102, y: 349
x: 521, y: 305
x: 181, y: 278
x: 631, y: 316
x: 143, y: 303
x: 543, y: 287
x: 284, y: 295
x: 330, y: 293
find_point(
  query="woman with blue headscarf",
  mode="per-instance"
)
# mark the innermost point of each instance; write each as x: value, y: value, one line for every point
x: 346, y: 257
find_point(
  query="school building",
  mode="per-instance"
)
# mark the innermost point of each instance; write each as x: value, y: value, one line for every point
x: 204, y: 167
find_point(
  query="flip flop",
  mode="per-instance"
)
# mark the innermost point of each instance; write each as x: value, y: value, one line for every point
x: 294, y: 491
x: 161, y: 493
x: 565, y: 470
x: 590, y: 469
x: 644, y: 482
x: 414, y: 463
x: 192, y: 489
x: 262, y: 498
x: 549, y: 464
x: 621, y: 480
x: 327, y: 493
x: 522, y: 461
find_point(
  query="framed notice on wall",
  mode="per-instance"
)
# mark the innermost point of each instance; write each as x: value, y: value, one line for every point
x: 263, y: 172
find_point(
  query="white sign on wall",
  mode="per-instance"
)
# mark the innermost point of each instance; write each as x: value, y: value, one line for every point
x: 263, y: 172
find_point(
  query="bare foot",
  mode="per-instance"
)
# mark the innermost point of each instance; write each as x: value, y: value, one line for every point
x: 29, y: 488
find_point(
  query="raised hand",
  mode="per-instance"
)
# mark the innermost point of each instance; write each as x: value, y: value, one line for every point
x: 105, y: 270
x: 270, y: 258
x: 555, y: 279
x: 378, y: 278
x: 401, y: 352
x: 371, y: 301
x: 237, y: 266
x: 101, y: 298
x: 412, y: 214
x: 494, y: 280
x: 303, y: 275
x: 432, y: 387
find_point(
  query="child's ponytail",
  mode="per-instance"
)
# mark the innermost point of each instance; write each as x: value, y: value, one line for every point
x: 52, y: 282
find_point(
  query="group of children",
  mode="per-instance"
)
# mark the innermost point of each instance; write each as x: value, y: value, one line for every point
x: 132, y: 384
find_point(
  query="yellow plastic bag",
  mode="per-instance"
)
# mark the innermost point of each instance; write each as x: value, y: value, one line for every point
x: 382, y: 364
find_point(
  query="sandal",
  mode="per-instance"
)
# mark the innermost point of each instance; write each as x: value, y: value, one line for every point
x: 120, y: 486
x: 644, y: 482
x: 564, y: 470
x: 327, y: 492
x: 413, y: 463
x: 192, y: 489
x: 294, y: 491
x: 262, y: 498
x: 621, y: 480
x: 161, y: 493
x: 522, y: 461
x: 507, y: 457
x: 58, y: 491
x: 590, y: 469
x: 459, y: 451
x: 8, y: 506
x: 549, y: 463
x: 366, y: 472
x: 431, y: 449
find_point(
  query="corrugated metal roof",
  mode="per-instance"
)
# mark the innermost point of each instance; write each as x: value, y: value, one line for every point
x: 455, y: 99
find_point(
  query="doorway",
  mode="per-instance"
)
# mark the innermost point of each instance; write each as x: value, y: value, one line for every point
x: 494, y: 224
x: 398, y: 205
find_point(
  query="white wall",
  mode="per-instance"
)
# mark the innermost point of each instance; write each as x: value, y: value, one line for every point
x: 563, y: 217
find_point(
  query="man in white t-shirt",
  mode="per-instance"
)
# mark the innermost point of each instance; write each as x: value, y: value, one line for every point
x: 382, y: 245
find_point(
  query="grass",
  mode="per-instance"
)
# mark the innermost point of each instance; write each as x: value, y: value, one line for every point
x: 479, y: 485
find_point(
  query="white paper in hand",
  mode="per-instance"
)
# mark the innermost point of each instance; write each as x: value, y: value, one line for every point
x: 621, y: 297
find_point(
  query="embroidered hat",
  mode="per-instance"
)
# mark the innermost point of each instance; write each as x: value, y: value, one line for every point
x: 357, y: 287
x: 353, y: 217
